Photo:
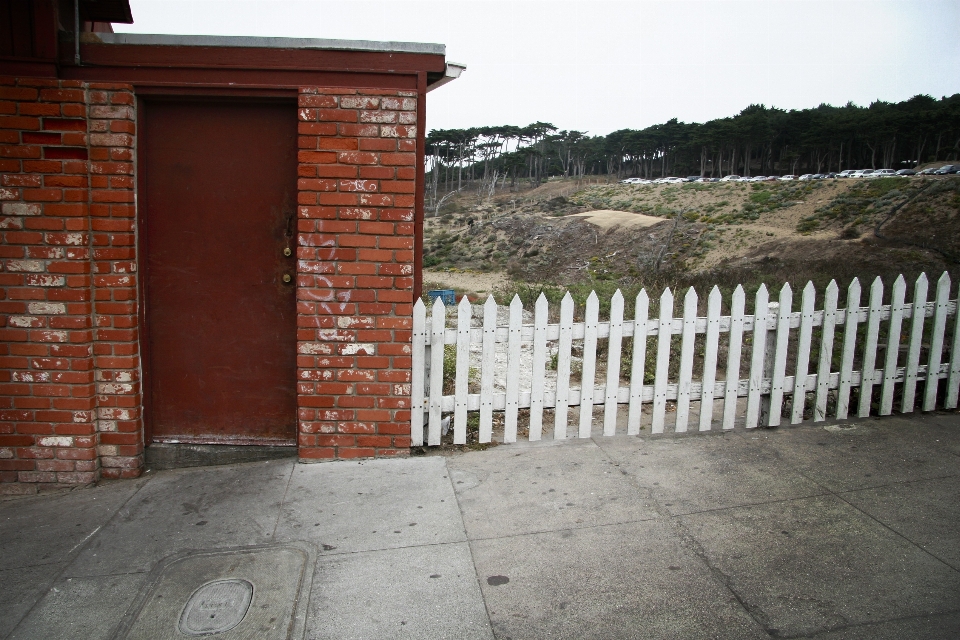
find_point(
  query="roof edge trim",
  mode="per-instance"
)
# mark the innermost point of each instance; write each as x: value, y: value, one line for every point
x: 267, y: 43
x: 451, y: 73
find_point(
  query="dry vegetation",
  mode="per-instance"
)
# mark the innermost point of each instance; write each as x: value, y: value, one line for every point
x: 718, y: 233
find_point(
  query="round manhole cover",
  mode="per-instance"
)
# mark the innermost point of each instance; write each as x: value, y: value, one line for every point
x: 216, y: 607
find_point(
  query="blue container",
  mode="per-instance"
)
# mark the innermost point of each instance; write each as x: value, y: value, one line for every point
x: 447, y: 296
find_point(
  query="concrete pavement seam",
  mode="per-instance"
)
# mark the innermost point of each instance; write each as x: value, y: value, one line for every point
x: 839, y: 496
x: 693, y: 545
x: 283, y: 499
x: 473, y: 559
x: 79, y: 550
x: 897, y: 533
x: 585, y: 527
x: 866, y: 625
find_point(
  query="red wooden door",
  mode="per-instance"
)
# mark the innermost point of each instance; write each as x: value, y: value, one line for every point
x: 218, y: 211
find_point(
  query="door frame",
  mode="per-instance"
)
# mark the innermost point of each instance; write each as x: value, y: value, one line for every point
x: 144, y: 99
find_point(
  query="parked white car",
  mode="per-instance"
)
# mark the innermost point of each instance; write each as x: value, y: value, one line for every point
x: 859, y: 173
x: 788, y: 177
x: 846, y: 173
x: 673, y: 180
x: 882, y: 173
x: 730, y: 178
x: 806, y: 176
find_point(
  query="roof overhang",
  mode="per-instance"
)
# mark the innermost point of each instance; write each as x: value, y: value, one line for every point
x: 451, y: 73
x: 239, y: 63
x: 255, y: 42
x: 105, y: 11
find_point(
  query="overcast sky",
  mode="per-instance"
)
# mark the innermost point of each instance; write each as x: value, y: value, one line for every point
x: 600, y: 66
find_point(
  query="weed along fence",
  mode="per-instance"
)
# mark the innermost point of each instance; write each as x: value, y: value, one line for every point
x: 735, y: 369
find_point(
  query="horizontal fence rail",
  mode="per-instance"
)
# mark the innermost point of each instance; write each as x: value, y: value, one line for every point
x: 875, y: 349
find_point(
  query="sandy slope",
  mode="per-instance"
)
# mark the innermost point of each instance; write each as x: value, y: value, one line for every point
x: 608, y: 218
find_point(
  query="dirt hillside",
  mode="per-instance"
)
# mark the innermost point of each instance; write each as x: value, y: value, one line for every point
x: 564, y: 233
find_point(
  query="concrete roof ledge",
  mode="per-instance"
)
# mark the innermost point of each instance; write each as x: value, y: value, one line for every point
x: 265, y: 43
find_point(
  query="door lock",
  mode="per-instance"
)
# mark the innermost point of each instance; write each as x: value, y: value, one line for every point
x: 286, y: 278
x: 287, y: 251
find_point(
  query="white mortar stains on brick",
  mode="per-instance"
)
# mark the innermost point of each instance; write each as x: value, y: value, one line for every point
x: 358, y: 348
x: 31, y: 376
x: 53, y: 336
x: 114, y: 389
x: 55, y: 441
x: 35, y: 266
x: 333, y: 335
x: 359, y: 185
x: 108, y: 412
x: 20, y: 209
x: 313, y: 348
x: 23, y: 321
x: 46, y: 280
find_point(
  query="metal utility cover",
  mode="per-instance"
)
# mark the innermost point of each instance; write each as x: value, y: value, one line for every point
x: 237, y: 594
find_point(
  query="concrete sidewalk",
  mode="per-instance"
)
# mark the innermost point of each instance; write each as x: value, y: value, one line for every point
x: 845, y: 531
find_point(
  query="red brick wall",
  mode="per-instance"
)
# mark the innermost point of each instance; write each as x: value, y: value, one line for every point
x: 357, y: 186
x: 66, y: 194
x: 70, y: 396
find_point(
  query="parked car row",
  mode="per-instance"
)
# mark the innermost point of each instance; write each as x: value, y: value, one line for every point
x: 847, y: 173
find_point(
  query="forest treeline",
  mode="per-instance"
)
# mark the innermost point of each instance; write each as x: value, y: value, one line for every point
x: 759, y: 140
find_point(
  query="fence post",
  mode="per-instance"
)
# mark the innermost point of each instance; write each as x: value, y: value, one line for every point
x: 417, y: 386
x: 769, y: 358
x: 755, y: 383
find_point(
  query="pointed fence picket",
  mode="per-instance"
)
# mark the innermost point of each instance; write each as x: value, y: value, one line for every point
x: 565, y: 348
x: 730, y: 392
x: 803, y: 353
x: 827, y: 329
x: 710, y: 359
x: 916, y: 336
x: 849, y: 345
x: 890, y: 370
x: 539, y: 364
x: 640, y: 323
x: 665, y: 329
x: 936, y: 342
x: 782, y: 354
x: 685, y: 382
x: 758, y: 358
x: 613, y: 365
x: 589, y: 368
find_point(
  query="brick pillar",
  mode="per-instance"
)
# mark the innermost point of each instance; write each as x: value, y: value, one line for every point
x: 357, y: 185
x: 68, y: 263
x: 47, y: 400
x: 112, y: 121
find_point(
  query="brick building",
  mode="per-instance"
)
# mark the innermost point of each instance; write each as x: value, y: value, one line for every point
x: 206, y: 240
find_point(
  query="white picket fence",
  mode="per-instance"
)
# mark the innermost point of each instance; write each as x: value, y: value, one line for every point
x: 774, y: 328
